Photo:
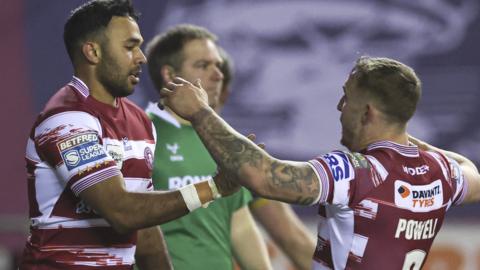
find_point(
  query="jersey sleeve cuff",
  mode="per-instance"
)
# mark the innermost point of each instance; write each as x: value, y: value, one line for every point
x: 94, y: 178
x: 322, y: 177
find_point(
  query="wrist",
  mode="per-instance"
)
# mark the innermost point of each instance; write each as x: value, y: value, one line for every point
x: 201, y: 114
x: 199, y: 194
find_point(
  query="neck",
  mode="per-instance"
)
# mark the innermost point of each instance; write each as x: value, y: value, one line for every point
x: 393, y: 134
x: 97, y: 90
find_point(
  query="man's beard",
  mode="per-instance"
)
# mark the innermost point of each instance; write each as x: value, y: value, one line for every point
x: 111, y: 78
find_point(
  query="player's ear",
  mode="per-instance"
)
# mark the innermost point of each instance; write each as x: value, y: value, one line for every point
x: 91, y: 51
x: 368, y: 114
x: 168, y: 73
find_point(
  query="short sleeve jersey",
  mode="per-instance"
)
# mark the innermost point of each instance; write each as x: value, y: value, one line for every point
x: 76, y: 143
x: 388, y: 197
x: 182, y: 159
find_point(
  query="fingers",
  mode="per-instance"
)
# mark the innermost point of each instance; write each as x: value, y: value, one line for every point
x: 251, y: 137
x: 261, y: 145
x: 165, y: 92
x: 180, y: 81
x: 198, y: 83
x: 172, y: 85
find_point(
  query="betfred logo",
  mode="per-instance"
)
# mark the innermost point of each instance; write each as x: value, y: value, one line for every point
x: 80, y: 149
x: 403, y: 191
x: 418, y: 198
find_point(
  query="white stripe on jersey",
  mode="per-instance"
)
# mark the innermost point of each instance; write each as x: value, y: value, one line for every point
x: 319, y: 266
x: 321, y: 184
x: 98, y: 257
x: 137, y: 148
x: 340, y: 193
x: 340, y: 233
x: 31, y: 152
x: 378, y: 167
x: 440, y: 162
x: 323, y: 178
x: 138, y: 184
x: 455, y: 175
x: 47, y: 191
x: 93, y: 179
x: 369, y: 209
x: 359, y: 244
x: 55, y: 222
x: 89, y: 121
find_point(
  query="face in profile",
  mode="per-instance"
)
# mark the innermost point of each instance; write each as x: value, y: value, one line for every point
x: 350, y: 107
x: 121, y: 57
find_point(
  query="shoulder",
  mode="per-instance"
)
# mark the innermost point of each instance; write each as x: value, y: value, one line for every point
x: 341, y: 164
x: 65, y: 99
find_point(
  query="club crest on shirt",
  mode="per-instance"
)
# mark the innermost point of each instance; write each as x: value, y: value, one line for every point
x: 126, y: 144
x: 116, y: 152
x: 173, y: 149
x: 418, y: 198
x: 80, y: 149
x: 148, y: 155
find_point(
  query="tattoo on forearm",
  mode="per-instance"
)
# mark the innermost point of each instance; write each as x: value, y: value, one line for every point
x: 233, y: 151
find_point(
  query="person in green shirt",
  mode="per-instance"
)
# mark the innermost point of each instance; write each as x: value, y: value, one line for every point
x: 208, y: 238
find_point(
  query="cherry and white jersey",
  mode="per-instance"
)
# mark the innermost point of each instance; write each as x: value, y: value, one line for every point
x: 382, y: 208
x: 76, y: 143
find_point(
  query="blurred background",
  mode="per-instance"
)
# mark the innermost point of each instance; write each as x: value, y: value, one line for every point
x: 291, y: 60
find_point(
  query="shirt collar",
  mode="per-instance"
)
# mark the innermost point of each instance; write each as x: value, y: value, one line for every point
x: 80, y: 86
x: 405, y: 150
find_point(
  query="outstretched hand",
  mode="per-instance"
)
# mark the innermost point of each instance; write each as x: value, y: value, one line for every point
x: 226, y: 184
x: 183, y: 97
x: 421, y: 144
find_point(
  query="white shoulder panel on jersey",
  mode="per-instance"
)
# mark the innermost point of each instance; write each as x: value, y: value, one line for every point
x: 70, y: 142
x: 342, y: 172
x: 74, y: 119
x: 458, y: 176
x: 378, y: 167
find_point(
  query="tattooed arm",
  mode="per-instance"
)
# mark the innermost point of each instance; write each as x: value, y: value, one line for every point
x: 288, y: 181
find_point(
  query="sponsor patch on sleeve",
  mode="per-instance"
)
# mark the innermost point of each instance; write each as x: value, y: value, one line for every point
x: 359, y: 161
x: 80, y: 149
x: 340, y: 166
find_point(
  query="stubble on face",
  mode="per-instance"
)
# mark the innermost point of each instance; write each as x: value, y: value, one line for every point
x: 111, y: 75
x: 119, y: 67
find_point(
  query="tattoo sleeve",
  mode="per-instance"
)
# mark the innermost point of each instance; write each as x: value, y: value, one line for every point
x: 292, y: 182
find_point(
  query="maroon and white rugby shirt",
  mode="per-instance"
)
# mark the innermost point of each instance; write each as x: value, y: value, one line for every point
x: 76, y: 143
x: 382, y: 208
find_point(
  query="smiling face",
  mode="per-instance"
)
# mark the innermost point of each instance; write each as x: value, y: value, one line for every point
x: 121, y: 57
x: 201, y: 60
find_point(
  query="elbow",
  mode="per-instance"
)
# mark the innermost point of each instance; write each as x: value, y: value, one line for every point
x: 122, y: 227
x: 121, y: 223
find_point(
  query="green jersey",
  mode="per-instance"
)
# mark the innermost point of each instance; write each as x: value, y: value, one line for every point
x: 201, y: 239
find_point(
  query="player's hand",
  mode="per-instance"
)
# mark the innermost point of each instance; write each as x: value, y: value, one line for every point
x: 227, y: 184
x: 183, y: 97
x: 421, y: 144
